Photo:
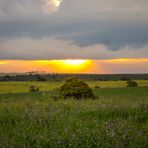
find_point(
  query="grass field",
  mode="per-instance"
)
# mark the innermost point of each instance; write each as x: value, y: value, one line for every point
x: 19, y: 87
x: 117, y: 119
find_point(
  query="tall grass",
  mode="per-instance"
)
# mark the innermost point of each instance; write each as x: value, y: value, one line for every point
x: 117, y: 119
x: 106, y: 123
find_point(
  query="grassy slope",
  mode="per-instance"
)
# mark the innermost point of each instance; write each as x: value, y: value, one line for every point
x: 119, y: 118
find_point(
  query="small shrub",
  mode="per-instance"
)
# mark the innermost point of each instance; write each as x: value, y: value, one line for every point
x: 131, y: 84
x: 34, y: 89
x: 75, y: 88
x: 97, y: 87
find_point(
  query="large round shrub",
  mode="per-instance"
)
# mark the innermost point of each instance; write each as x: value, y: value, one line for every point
x: 75, y: 88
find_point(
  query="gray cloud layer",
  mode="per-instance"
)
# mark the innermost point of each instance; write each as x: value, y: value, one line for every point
x: 76, y: 27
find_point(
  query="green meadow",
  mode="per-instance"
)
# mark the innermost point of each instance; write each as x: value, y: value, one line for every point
x: 117, y: 118
x: 21, y: 87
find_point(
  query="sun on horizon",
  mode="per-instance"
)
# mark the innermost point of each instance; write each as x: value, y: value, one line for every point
x: 74, y: 62
x: 67, y: 65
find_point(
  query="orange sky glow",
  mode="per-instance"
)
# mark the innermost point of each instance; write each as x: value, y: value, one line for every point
x: 76, y: 66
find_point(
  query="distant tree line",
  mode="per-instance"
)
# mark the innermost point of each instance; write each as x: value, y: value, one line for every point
x: 63, y: 77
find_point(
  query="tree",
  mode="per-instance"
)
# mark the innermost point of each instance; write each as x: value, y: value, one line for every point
x: 40, y: 78
x: 75, y: 88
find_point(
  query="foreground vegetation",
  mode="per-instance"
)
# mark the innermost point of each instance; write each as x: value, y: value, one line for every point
x: 118, y: 118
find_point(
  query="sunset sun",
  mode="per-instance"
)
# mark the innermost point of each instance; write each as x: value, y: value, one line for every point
x: 67, y: 65
x: 74, y: 62
x: 70, y: 65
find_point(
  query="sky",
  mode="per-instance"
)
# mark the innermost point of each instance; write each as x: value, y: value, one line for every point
x: 111, y: 36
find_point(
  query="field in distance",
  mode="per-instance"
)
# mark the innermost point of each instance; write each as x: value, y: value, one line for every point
x: 118, y: 118
x: 21, y: 87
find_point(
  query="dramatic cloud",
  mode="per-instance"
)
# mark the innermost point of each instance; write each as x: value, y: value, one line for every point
x: 54, y: 29
x: 50, y: 48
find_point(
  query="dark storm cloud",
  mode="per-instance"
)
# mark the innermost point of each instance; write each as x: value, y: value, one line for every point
x: 116, y: 24
x: 114, y: 36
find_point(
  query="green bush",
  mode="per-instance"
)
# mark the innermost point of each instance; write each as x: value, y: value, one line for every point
x: 131, y: 84
x: 97, y: 87
x: 75, y: 88
x: 34, y: 89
